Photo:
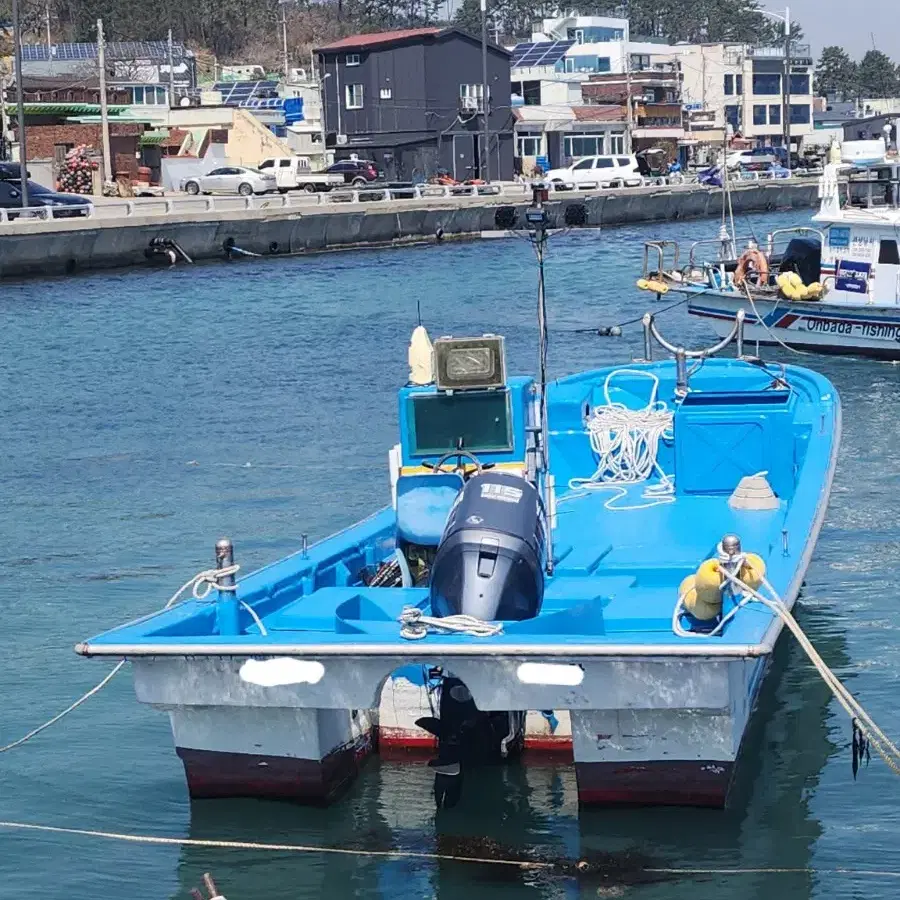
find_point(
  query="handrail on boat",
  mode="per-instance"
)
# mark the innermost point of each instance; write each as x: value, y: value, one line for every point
x: 797, y: 229
x: 651, y: 333
x: 660, y: 248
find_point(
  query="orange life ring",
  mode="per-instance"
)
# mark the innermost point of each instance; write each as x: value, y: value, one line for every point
x: 760, y: 265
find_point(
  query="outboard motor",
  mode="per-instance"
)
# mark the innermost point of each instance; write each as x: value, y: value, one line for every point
x: 490, y: 561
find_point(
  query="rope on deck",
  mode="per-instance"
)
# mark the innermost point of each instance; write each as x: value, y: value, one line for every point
x: 579, y: 866
x: 201, y: 584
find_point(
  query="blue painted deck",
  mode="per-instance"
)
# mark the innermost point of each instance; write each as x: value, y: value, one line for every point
x: 617, y: 571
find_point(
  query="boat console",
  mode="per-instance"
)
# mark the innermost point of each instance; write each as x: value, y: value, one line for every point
x: 469, y: 518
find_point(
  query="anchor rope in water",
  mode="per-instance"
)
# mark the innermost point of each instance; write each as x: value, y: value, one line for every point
x: 626, y: 442
x: 415, y: 625
x: 201, y: 584
x: 580, y: 866
x: 861, y: 720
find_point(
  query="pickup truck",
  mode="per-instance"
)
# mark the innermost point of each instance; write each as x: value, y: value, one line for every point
x: 294, y: 173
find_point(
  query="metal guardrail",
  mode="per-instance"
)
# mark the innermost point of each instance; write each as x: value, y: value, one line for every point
x: 300, y: 200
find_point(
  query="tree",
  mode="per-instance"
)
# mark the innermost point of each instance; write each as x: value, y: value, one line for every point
x: 836, y: 73
x: 877, y: 76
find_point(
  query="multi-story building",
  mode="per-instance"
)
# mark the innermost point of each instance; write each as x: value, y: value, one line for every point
x: 557, y: 114
x: 413, y: 101
x: 741, y: 86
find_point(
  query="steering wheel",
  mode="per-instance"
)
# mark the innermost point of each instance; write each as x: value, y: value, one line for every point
x: 460, y: 467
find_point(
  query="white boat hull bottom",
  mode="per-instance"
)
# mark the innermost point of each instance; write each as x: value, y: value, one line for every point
x: 665, y: 731
x: 863, y: 330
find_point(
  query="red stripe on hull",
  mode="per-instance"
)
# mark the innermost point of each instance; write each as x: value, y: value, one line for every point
x: 212, y: 773
x: 398, y: 744
x: 684, y: 783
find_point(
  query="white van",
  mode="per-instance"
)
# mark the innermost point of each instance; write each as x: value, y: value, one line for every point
x: 294, y: 173
x: 598, y: 171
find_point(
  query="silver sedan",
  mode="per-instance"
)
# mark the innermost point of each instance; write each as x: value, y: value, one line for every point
x: 231, y: 180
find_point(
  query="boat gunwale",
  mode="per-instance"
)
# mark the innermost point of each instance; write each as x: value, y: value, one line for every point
x: 572, y: 652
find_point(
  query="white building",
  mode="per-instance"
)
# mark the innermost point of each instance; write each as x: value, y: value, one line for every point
x: 741, y: 86
x: 553, y: 119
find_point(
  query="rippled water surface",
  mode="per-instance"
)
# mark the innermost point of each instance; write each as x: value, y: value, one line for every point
x: 145, y: 413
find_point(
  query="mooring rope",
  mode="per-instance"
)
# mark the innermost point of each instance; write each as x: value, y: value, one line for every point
x: 860, y: 719
x: 580, y: 866
x: 201, y: 585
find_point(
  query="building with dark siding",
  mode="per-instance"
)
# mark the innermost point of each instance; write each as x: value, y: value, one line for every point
x: 412, y: 102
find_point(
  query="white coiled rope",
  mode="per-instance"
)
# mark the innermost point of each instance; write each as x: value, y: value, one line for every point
x: 201, y: 585
x: 415, y: 625
x: 626, y: 442
x: 745, y: 594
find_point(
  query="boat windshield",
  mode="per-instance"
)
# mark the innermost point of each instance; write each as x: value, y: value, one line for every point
x: 480, y: 419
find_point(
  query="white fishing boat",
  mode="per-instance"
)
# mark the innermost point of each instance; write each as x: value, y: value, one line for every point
x: 832, y: 288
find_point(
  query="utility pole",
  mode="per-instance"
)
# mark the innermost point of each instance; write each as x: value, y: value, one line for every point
x: 320, y: 88
x: 629, y: 112
x: 108, y: 174
x: 47, y: 23
x: 171, y: 49
x: 485, y: 98
x: 4, y: 123
x: 20, y: 101
x: 284, y: 46
x: 786, y: 88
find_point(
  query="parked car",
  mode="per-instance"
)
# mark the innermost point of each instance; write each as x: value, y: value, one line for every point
x: 293, y: 172
x: 63, y: 206
x: 597, y: 170
x: 231, y: 180
x: 355, y: 171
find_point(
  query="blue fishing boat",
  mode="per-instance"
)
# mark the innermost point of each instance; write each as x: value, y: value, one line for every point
x: 572, y: 565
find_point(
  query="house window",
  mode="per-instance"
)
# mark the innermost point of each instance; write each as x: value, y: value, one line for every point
x: 528, y: 143
x: 353, y: 96
x: 766, y: 84
x: 471, y: 97
x: 888, y: 254
x: 351, y: 59
x: 733, y: 117
x: 385, y: 94
x: 759, y: 115
x: 617, y: 142
x: 775, y: 115
x: 800, y: 84
x: 729, y: 85
x: 578, y: 145
x: 800, y: 114
x: 739, y: 84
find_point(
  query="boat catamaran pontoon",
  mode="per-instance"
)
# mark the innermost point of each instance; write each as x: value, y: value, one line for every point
x: 833, y: 288
x: 548, y: 575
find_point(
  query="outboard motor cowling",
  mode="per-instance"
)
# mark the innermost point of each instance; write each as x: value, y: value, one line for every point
x: 490, y: 561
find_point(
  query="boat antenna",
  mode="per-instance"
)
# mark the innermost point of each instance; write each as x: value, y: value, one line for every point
x: 537, y: 218
x: 419, y: 311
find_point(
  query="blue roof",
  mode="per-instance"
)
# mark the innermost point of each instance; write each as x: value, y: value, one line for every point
x: 543, y: 53
x: 158, y: 50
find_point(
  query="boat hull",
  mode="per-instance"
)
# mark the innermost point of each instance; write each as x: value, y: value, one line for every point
x: 819, y: 327
x: 667, y: 731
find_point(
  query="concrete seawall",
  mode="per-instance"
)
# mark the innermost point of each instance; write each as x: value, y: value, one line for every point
x: 72, y: 245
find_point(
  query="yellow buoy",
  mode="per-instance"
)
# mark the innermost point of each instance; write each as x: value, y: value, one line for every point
x: 703, y: 598
x: 752, y: 571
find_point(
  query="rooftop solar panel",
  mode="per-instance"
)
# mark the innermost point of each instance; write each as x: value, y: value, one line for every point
x: 543, y: 53
x: 121, y: 50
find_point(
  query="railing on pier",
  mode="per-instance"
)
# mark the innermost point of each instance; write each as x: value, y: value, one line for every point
x: 300, y: 200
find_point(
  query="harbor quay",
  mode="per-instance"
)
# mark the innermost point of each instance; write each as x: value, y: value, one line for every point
x: 175, y: 231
